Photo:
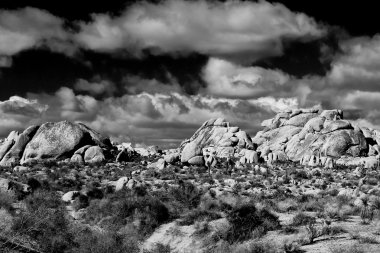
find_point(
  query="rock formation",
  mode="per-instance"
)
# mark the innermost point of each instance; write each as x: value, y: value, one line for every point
x: 216, y: 133
x: 305, y: 135
x: 59, y: 140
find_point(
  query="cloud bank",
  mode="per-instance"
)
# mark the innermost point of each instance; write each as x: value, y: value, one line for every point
x: 234, y: 29
x: 232, y: 36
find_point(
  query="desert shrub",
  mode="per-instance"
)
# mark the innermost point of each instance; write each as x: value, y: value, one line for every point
x: 287, y: 205
x: 246, y: 218
x: 202, y: 228
x: 343, y: 200
x: 332, y: 192
x: 198, y: 215
x: 338, y: 211
x: 34, y: 184
x: 291, y: 247
x: 187, y: 194
x: 87, y: 241
x: 68, y: 184
x: 372, y: 181
x: 6, y: 201
x: 211, y: 204
x: 349, y: 249
x: 313, y: 205
x: 43, y: 199
x: 122, y: 208
x: 94, y: 193
x: 312, y: 231
x: 80, y: 202
x: 366, y: 212
x: 300, y: 174
x: 368, y: 240
x: 207, y: 180
x: 334, y: 230
x: 45, y: 222
x: 168, y: 173
x: 254, y: 247
x: 289, y: 230
x: 301, y: 219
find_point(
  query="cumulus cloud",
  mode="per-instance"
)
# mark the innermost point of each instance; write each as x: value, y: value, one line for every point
x: 135, y: 84
x: 359, y: 64
x: 20, y: 106
x: 227, y: 79
x: 233, y: 29
x: 18, y: 112
x: 30, y: 28
x: 361, y: 100
x: 96, y: 88
x: 162, y: 119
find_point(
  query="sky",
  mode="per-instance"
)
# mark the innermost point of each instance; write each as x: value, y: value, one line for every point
x: 151, y: 72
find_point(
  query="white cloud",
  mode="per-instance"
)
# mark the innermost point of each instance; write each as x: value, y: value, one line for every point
x: 29, y: 28
x: 136, y: 84
x: 101, y: 87
x: 143, y: 118
x: 17, y: 113
x: 246, y: 30
x: 74, y: 107
x: 361, y: 100
x: 20, y: 106
x: 227, y: 79
x: 359, y: 64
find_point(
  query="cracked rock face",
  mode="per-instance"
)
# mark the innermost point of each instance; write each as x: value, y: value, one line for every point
x: 215, y: 133
x: 308, y: 132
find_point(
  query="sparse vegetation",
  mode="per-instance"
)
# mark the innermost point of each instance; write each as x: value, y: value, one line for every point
x: 246, y: 219
x: 121, y: 221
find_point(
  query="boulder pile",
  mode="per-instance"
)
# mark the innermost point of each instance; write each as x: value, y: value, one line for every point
x: 224, y: 139
x: 58, y: 140
x: 314, y: 137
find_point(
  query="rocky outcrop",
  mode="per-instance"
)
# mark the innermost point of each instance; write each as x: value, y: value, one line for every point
x: 8, y: 143
x: 94, y: 154
x: 57, y: 140
x: 13, y: 156
x: 216, y: 133
x: 300, y: 133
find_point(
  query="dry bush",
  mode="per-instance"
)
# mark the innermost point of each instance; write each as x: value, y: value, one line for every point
x: 348, y: 249
x: 6, y: 201
x: 245, y: 219
x: 45, y: 222
x: 198, y: 215
x: 88, y: 241
x: 302, y: 219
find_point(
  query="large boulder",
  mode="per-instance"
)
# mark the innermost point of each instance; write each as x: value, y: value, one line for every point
x: 8, y: 143
x: 94, y: 154
x: 197, y: 160
x: 303, y: 133
x: 214, y: 133
x: 172, y: 158
x: 77, y: 158
x: 14, y: 155
x: 60, y: 140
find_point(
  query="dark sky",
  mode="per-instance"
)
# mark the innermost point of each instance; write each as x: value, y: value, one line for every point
x: 93, y: 62
x: 37, y: 70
